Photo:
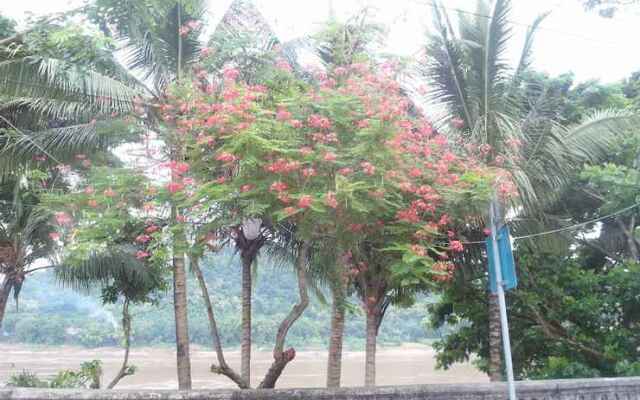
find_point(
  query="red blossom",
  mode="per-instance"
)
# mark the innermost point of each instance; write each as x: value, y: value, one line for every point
x: 330, y: 200
x: 141, y: 255
x: 231, y: 74
x: 419, y: 250
x: 306, y: 150
x: 109, y: 192
x: 62, y: 218
x: 278, y: 186
x: 246, y: 188
x: 54, y: 236
x: 368, y: 168
x: 174, y: 187
x: 143, y: 238
x: 456, y: 246
x: 329, y: 156
x: 226, y: 157
x: 305, y: 201
x: 309, y: 172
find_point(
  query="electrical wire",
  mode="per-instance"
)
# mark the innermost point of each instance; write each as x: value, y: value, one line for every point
x: 567, y: 228
x: 562, y: 32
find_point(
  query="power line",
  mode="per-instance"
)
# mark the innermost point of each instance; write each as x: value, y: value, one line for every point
x: 567, y: 33
x: 567, y: 228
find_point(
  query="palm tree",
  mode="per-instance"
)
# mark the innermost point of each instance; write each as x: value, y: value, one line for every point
x: 479, y: 99
x: 25, y: 236
x: 120, y: 275
x: 156, y: 53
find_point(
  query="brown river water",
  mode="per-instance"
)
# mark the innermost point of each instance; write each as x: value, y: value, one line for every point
x: 404, y: 365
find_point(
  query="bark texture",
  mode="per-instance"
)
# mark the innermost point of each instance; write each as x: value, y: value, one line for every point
x: 245, y: 344
x: 125, y: 370
x: 334, y: 364
x: 495, y: 337
x: 5, y: 291
x: 370, y: 351
x: 222, y: 368
x: 181, y: 320
x: 282, y: 357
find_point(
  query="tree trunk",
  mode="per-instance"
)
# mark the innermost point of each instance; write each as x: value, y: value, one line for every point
x: 495, y: 343
x: 280, y: 356
x: 222, y: 368
x: 370, y: 351
x: 5, y: 291
x: 245, y: 344
x: 334, y: 364
x: 126, y: 328
x: 180, y: 310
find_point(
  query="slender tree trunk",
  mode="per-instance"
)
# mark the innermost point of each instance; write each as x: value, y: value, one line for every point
x: 126, y: 328
x: 495, y: 353
x: 281, y: 357
x: 222, y: 367
x: 5, y: 291
x: 180, y: 310
x: 334, y: 364
x: 370, y: 350
x: 245, y: 344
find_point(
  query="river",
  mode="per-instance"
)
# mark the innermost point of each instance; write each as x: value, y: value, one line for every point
x: 404, y: 365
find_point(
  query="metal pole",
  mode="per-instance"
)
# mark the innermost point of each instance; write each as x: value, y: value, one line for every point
x: 504, y: 324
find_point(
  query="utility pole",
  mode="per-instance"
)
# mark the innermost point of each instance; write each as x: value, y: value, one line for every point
x: 494, y: 217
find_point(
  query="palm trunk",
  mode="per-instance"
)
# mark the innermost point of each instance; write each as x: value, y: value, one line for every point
x: 126, y: 328
x: 222, y: 367
x: 180, y: 310
x: 334, y: 364
x: 245, y: 344
x: 495, y: 354
x: 370, y: 351
x: 5, y: 291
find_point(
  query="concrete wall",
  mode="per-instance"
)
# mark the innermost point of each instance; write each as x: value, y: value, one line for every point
x: 575, y: 389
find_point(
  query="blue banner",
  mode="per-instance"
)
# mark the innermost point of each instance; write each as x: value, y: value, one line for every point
x: 506, y: 257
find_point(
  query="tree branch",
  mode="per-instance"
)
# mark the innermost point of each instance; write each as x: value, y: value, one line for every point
x: 281, y: 357
x: 223, y: 368
x: 125, y: 370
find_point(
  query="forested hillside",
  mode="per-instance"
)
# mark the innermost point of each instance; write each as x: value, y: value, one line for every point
x: 51, y: 314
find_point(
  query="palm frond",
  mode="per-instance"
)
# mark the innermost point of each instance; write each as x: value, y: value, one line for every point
x: 592, y: 139
x: 150, y: 31
x: 444, y: 70
x: 100, y: 269
x: 59, y: 145
x: 527, y: 50
x: 38, y: 81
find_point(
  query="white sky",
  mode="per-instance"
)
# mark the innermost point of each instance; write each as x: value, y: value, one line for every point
x: 570, y: 39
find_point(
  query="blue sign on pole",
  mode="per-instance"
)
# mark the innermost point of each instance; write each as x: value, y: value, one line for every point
x: 506, y: 258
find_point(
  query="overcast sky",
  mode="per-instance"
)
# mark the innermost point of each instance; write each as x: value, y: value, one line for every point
x: 570, y: 39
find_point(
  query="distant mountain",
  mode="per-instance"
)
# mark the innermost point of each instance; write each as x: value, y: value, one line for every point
x: 50, y: 314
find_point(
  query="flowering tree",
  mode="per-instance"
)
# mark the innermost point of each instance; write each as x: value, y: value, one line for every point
x: 108, y: 224
x: 346, y: 160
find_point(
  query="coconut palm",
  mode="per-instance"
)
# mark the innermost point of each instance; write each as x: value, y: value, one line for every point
x: 25, y: 236
x: 478, y: 98
x: 149, y: 33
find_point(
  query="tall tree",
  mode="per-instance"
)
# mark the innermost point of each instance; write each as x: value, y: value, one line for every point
x: 27, y: 236
x: 470, y: 79
x: 161, y: 40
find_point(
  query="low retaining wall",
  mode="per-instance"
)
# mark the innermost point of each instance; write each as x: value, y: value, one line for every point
x: 571, y: 389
